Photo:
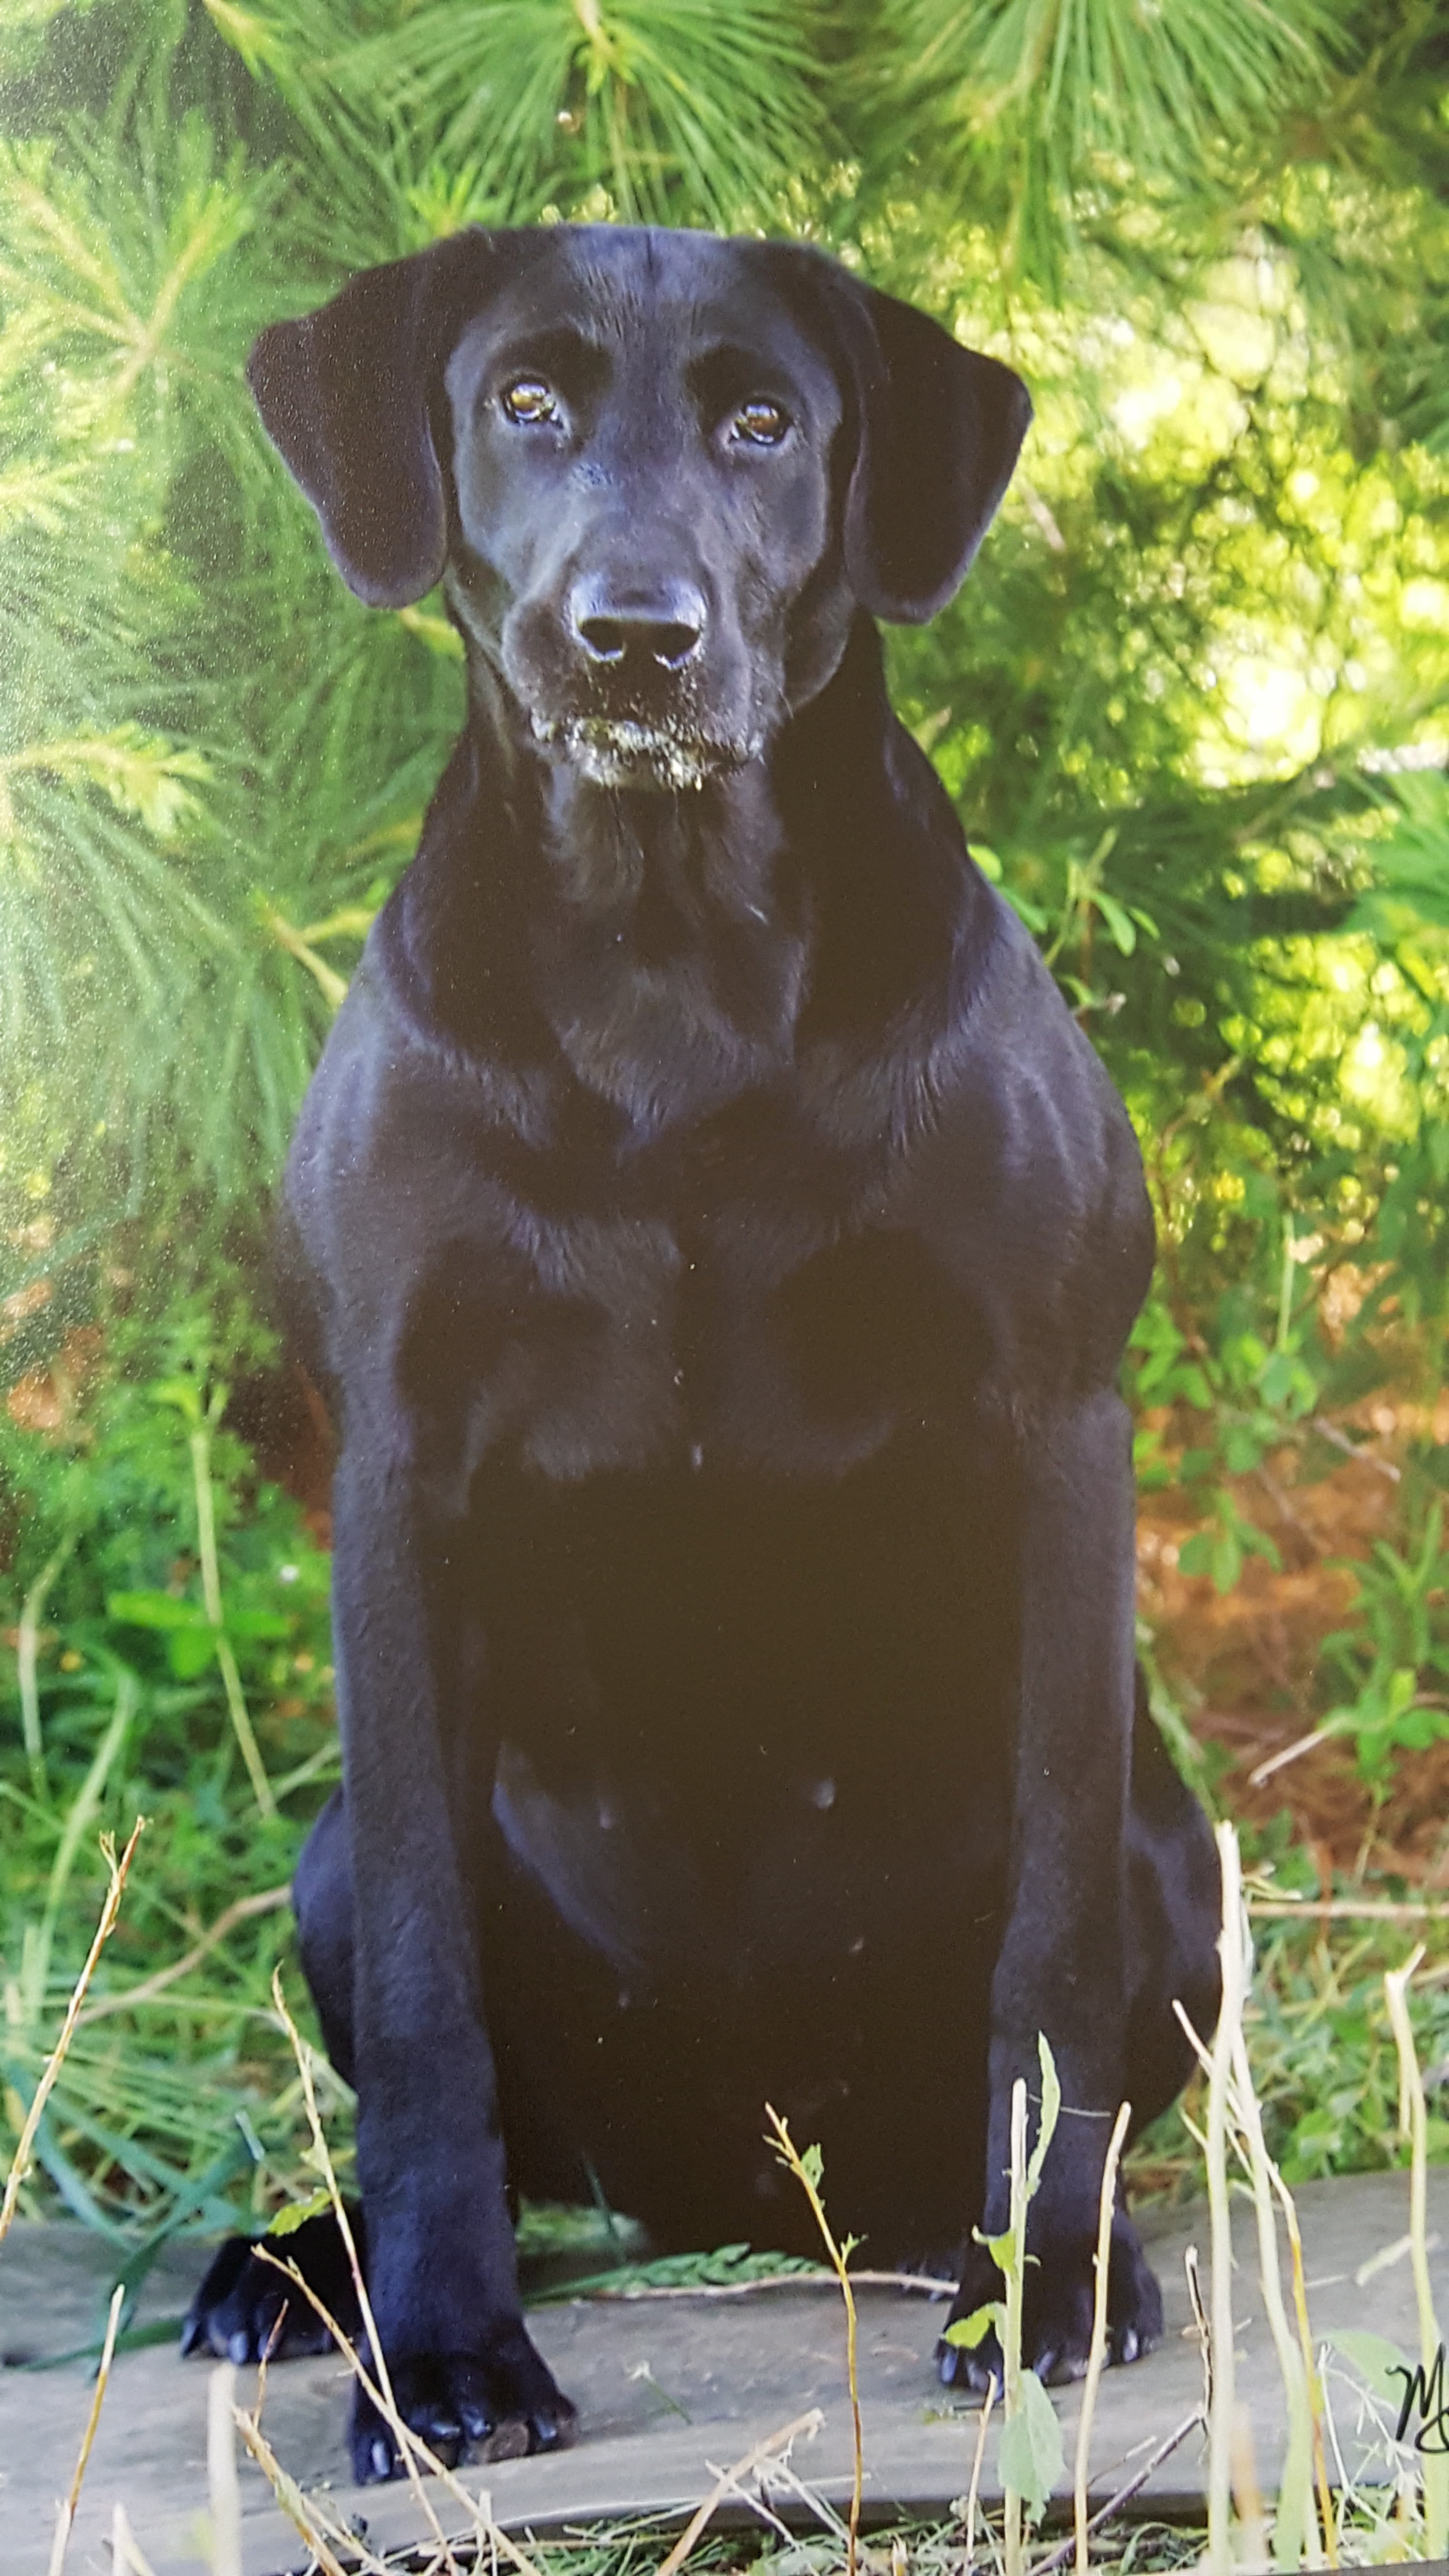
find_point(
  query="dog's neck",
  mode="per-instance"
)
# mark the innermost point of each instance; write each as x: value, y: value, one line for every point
x: 669, y: 944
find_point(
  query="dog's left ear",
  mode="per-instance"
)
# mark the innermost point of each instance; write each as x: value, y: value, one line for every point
x: 345, y: 394
x: 939, y: 430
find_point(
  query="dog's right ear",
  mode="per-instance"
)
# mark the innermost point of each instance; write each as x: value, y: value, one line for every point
x: 345, y: 394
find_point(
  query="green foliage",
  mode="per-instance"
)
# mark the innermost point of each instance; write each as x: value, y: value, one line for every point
x: 1030, y: 2454
x: 1250, y: 1399
x: 1043, y: 97
x: 1324, y: 2063
x: 1395, y: 1657
x: 213, y: 761
x: 676, y: 109
x: 168, y: 2109
x: 1029, y: 2458
x: 725, y: 2266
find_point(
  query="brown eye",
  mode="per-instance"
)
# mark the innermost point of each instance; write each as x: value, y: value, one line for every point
x: 761, y: 423
x: 528, y: 399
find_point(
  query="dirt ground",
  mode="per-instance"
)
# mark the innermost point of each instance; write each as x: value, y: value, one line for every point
x: 1245, y: 1665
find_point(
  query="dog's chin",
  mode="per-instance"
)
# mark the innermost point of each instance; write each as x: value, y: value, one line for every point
x: 615, y: 751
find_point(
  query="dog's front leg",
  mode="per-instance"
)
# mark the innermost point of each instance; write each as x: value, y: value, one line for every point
x: 419, y: 1756
x: 1062, y: 1965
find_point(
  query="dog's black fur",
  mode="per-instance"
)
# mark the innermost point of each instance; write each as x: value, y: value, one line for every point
x: 719, y: 1241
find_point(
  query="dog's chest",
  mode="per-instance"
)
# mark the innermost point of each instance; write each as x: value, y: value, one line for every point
x: 694, y: 1305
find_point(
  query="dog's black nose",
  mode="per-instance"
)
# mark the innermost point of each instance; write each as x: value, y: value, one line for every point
x: 664, y: 625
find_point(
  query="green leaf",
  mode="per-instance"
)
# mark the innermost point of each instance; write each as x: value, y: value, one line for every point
x: 812, y: 2165
x: 1000, y: 2248
x: 190, y: 1650
x: 1374, y: 2358
x: 1242, y: 1449
x: 1191, y: 1386
x: 1051, y: 2103
x: 1225, y: 1559
x: 968, y: 2332
x: 1031, y: 2456
x: 285, y: 2222
x: 156, y: 1610
x: 183, y: 1394
x: 1122, y: 928
x: 1256, y: 1542
x: 256, y: 1623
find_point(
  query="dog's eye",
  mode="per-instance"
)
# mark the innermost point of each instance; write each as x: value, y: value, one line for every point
x: 528, y: 399
x: 760, y: 423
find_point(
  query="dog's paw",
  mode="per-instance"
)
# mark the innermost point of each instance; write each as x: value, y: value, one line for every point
x: 234, y: 2313
x: 496, y: 2405
x: 1056, y: 2335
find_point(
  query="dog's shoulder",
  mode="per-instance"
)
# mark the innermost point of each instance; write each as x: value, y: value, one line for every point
x: 1026, y: 1179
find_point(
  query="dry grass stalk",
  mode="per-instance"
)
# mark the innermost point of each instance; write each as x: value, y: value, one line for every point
x: 127, y: 2556
x: 222, y: 2484
x: 27, y: 1659
x: 1297, y: 2536
x: 199, y: 1443
x: 1247, y: 2494
x: 1097, y: 2352
x: 1343, y: 1909
x: 21, y: 2161
x: 1231, y: 1953
x: 973, y: 2492
x: 1202, y: 2332
x: 1413, y: 2123
x: 1124, y: 2495
x: 266, y: 1902
x: 65, y: 2518
x: 777, y: 2472
x: 1011, y: 2500
x: 805, y: 2427
x: 318, y: 2527
x: 806, y: 2171
x: 288, y: 2494
x: 410, y: 2448
x: 928, y: 2285
x: 1312, y: 2379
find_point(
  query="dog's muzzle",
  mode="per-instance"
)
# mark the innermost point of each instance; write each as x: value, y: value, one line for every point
x: 622, y: 751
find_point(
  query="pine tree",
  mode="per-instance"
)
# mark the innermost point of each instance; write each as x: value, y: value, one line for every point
x: 213, y: 761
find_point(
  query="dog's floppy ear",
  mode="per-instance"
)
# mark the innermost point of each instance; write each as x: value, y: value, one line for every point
x: 345, y: 395
x: 939, y: 431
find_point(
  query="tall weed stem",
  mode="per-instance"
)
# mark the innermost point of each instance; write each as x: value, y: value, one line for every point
x: 20, y: 2162
x: 199, y: 1442
x: 27, y: 1655
x: 1413, y: 2122
x: 808, y: 2170
x: 1232, y: 1953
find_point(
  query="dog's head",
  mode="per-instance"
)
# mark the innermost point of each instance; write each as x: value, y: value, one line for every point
x: 661, y: 471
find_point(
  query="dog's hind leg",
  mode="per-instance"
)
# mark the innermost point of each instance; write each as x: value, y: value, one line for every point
x: 1171, y: 1925
x: 1174, y: 1911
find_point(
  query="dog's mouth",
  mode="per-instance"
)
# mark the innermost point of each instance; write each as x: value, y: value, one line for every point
x: 617, y: 751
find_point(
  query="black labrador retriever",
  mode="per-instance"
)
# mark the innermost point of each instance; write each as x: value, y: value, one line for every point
x: 718, y: 1240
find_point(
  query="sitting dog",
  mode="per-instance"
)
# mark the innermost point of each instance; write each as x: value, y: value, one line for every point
x: 718, y: 1242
